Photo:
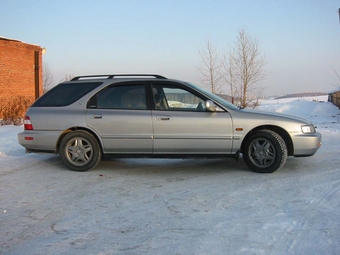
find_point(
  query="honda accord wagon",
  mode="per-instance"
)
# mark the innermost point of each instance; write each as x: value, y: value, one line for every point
x: 151, y: 116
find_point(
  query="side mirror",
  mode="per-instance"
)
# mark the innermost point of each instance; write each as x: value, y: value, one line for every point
x: 210, y: 106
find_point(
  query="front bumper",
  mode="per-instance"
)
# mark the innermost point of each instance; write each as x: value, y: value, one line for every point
x: 306, y: 145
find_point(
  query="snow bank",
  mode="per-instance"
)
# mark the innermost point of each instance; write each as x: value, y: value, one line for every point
x: 316, y: 109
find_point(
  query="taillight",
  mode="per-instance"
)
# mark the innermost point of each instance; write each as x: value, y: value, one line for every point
x: 27, y: 123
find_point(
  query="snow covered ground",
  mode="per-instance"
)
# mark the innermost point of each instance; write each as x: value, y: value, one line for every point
x: 174, y: 206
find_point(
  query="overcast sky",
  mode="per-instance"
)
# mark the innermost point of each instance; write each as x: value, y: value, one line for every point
x: 299, y: 38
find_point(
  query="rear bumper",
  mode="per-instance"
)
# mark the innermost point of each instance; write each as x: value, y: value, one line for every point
x: 39, y: 141
x: 306, y: 145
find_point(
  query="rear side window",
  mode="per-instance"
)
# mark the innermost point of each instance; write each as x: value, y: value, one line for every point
x: 120, y: 97
x: 65, y: 94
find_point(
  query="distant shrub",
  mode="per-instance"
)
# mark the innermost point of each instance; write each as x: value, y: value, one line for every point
x: 12, y: 110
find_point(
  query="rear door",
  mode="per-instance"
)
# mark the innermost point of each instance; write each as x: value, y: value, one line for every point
x: 121, y: 116
x: 182, y: 125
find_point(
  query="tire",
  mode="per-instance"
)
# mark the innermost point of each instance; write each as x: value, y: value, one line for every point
x: 265, y: 151
x: 80, y: 151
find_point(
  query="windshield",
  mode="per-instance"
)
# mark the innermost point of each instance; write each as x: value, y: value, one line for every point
x: 214, y: 97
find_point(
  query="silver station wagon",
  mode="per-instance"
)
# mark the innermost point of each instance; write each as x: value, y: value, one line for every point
x: 152, y: 116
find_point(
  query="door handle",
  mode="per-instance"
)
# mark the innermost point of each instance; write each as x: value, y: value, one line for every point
x: 96, y: 116
x: 163, y: 118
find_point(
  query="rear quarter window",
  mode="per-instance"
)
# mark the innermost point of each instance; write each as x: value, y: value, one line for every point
x: 65, y: 94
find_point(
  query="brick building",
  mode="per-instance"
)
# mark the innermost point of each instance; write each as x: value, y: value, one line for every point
x: 20, y: 75
x: 334, y: 97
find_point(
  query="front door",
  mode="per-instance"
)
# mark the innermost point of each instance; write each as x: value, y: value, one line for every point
x: 182, y: 125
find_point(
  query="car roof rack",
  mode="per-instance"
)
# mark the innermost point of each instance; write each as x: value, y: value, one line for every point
x: 111, y: 76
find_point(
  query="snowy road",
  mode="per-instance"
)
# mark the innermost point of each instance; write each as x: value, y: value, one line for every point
x: 192, y: 206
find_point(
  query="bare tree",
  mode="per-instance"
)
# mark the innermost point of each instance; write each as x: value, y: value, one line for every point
x: 211, y: 67
x: 337, y: 75
x: 229, y: 77
x: 67, y: 77
x: 244, y: 69
x: 48, y: 80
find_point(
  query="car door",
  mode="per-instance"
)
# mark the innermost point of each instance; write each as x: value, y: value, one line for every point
x: 120, y: 115
x: 182, y: 125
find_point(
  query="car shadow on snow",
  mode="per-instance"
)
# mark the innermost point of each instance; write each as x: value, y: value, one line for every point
x: 147, y: 165
x: 164, y: 166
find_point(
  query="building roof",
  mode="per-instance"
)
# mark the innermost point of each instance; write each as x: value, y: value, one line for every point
x: 15, y: 40
x: 334, y: 91
x: 8, y: 39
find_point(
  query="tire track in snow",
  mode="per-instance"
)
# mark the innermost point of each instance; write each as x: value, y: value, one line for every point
x: 327, y: 195
x: 35, y: 163
x: 294, y: 232
x: 49, y: 221
x: 33, y: 231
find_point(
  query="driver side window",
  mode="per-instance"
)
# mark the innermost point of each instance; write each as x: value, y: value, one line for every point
x: 177, y: 99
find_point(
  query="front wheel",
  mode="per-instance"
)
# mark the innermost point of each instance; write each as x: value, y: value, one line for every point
x: 80, y: 151
x: 265, y: 151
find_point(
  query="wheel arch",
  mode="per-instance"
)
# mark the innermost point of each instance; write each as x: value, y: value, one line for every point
x: 65, y: 132
x: 280, y: 131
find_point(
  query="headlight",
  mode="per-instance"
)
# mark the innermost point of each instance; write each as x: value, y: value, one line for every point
x: 308, y: 129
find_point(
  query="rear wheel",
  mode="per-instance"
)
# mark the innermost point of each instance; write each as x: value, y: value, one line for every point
x: 80, y: 151
x: 265, y: 151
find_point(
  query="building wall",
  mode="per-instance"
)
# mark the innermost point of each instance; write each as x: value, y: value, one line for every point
x: 17, y: 72
x: 334, y: 97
